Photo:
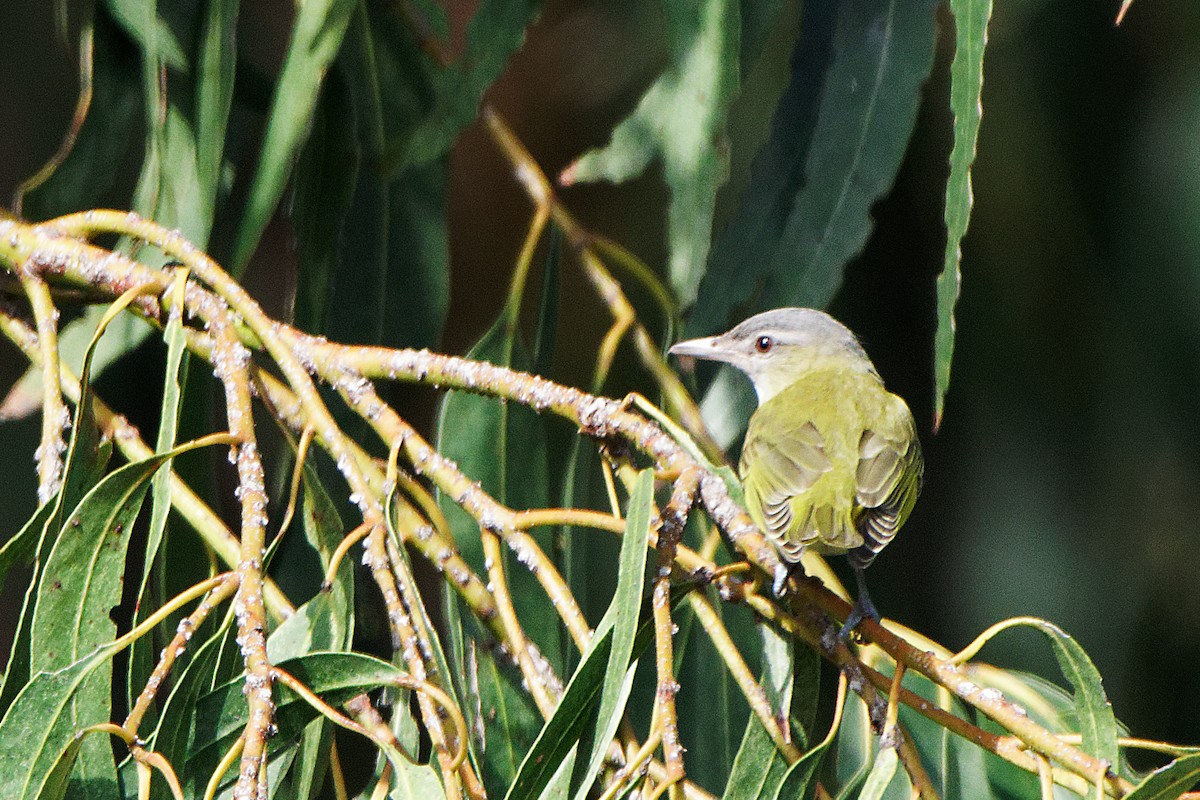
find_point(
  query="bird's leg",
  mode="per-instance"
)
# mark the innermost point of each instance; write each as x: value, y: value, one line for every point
x: 863, y: 607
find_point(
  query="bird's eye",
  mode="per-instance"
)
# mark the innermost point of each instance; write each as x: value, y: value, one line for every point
x: 763, y: 344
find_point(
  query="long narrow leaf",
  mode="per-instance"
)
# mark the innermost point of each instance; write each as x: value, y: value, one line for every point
x: 966, y: 88
x: 1169, y: 782
x: 578, y: 704
x: 622, y: 616
x: 316, y: 38
x: 837, y: 139
x: 40, y: 727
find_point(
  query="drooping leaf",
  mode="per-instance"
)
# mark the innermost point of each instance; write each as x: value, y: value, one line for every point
x: 837, y: 139
x: 759, y: 769
x: 150, y: 591
x: 213, y: 73
x: 19, y: 550
x: 316, y: 37
x: 966, y: 87
x: 40, y: 728
x: 148, y: 30
x: 1170, y: 781
x: 1095, y: 720
x: 81, y: 584
x: 86, y: 460
x: 575, y: 709
x: 324, y: 187
x: 388, y: 270
x: 192, y: 679
x: 622, y: 616
x: 681, y: 120
x: 882, y: 772
x: 495, y: 32
x: 491, y: 441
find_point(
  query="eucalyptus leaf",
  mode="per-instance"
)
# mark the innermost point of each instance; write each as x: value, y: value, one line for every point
x: 1170, y: 781
x: 966, y: 88
x: 622, y: 616
x: 681, y: 120
x: 561, y: 733
x: 316, y: 38
x: 837, y: 139
x: 40, y: 727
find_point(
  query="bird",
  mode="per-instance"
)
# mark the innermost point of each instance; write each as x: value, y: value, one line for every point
x: 831, y: 460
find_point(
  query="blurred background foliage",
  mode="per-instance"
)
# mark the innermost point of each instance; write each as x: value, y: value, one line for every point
x: 1065, y: 478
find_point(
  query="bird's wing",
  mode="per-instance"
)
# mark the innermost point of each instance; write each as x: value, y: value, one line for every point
x: 888, y: 479
x: 785, y: 467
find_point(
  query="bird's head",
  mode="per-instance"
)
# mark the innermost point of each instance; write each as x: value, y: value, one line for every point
x: 775, y: 348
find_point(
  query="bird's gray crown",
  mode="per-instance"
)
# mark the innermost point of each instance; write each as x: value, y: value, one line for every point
x: 800, y: 327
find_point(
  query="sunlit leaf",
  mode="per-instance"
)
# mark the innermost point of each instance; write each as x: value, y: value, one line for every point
x: 622, y: 616
x: 150, y: 591
x: 214, y: 81
x: 881, y: 774
x: 39, y: 729
x: 759, y: 768
x: 575, y: 709
x: 681, y: 120
x: 966, y: 87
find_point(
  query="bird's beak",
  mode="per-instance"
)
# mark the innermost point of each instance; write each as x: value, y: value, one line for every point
x: 709, y: 348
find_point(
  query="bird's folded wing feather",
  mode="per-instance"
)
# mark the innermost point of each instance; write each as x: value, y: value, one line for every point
x: 888, y: 479
x: 784, y: 468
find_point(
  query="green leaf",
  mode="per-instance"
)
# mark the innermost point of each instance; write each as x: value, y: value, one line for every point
x: 150, y: 596
x: 622, y: 616
x: 192, y: 679
x: 966, y: 90
x: 19, y: 550
x: 577, y: 706
x: 1097, y: 724
x: 490, y: 441
x: 152, y: 34
x: 40, y: 727
x: 214, y: 81
x: 319, y: 28
x: 881, y: 774
x: 759, y: 769
x: 956, y: 767
x: 681, y: 120
x: 81, y: 584
x: 1170, y: 781
x: 837, y: 139
x: 495, y: 32
x: 390, y: 243
x: 84, y: 465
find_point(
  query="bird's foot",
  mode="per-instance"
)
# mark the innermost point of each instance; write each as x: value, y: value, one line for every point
x: 863, y: 609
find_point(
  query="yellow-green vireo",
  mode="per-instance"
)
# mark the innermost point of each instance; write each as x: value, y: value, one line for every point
x: 831, y: 459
